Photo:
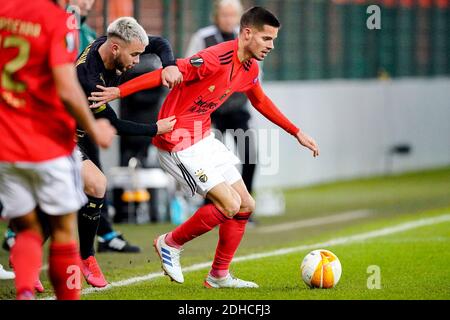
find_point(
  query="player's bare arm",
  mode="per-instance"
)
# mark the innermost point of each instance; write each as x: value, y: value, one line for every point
x: 71, y: 94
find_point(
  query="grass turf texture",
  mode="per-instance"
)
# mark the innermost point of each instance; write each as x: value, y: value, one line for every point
x: 414, y: 264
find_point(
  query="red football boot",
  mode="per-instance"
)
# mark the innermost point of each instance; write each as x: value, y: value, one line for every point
x: 92, y: 273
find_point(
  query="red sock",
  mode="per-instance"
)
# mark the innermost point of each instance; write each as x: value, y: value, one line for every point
x: 169, y: 240
x: 26, y: 258
x: 65, y: 270
x: 230, y: 236
x: 203, y: 220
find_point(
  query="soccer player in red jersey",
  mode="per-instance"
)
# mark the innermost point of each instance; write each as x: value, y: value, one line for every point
x: 40, y: 102
x: 199, y: 161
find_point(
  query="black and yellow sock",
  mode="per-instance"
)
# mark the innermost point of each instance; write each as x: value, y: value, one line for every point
x: 88, y: 220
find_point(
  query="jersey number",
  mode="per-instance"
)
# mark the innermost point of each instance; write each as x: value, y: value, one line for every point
x: 7, y: 81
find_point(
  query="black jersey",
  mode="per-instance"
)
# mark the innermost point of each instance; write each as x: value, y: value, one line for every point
x: 91, y: 72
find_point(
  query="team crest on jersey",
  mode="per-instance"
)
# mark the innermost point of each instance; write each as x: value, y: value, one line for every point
x: 70, y: 42
x: 201, y: 175
x: 196, y: 61
x: 103, y: 79
x: 225, y: 94
x: 212, y: 88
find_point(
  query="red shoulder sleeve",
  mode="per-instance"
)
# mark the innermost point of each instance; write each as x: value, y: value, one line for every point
x: 63, y: 42
x: 146, y: 81
x: 198, y: 66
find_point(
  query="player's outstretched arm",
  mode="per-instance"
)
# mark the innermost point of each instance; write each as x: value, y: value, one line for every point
x: 267, y: 108
x: 71, y: 94
x: 146, y: 81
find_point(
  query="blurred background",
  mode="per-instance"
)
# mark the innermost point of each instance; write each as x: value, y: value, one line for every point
x: 370, y: 84
x: 376, y: 100
x: 320, y: 39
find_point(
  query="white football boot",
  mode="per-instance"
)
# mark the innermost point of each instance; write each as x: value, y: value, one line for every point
x: 170, y: 259
x: 228, y: 282
x: 6, y: 275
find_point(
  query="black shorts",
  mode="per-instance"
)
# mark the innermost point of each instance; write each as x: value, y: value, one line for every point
x: 82, y: 153
x: 88, y: 149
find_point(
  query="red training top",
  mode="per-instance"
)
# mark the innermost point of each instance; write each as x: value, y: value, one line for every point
x: 34, y: 38
x: 210, y: 77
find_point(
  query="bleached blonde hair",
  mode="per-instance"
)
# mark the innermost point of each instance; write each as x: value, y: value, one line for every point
x: 127, y: 29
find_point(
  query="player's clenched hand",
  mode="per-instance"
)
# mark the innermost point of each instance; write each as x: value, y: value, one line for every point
x: 104, y: 96
x: 171, y: 76
x: 104, y: 133
x: 308, y: 142
x: 166, y: 125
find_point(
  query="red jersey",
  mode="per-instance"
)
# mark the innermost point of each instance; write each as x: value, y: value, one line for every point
x: 209, y: 78
x: 34, y: 38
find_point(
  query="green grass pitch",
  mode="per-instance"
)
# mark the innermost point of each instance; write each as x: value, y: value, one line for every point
x: 413, y: 264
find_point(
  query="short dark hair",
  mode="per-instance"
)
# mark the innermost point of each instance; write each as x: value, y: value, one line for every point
x: 258, y: 17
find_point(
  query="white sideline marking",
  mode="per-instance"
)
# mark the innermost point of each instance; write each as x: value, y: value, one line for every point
x: 346, y: 216
x: 333, y: 242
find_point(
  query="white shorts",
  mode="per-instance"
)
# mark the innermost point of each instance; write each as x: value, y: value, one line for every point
x: 202, y: 166
x: 55, y: 186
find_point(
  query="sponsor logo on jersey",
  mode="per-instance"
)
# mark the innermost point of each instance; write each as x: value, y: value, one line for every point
x: 225, y: 94
x: 201, y: 106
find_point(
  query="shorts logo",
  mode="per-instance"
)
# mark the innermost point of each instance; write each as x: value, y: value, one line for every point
x: 201, y: 175
x: 196, y: 61
x: 212, y: 88
x: 80, y: 133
